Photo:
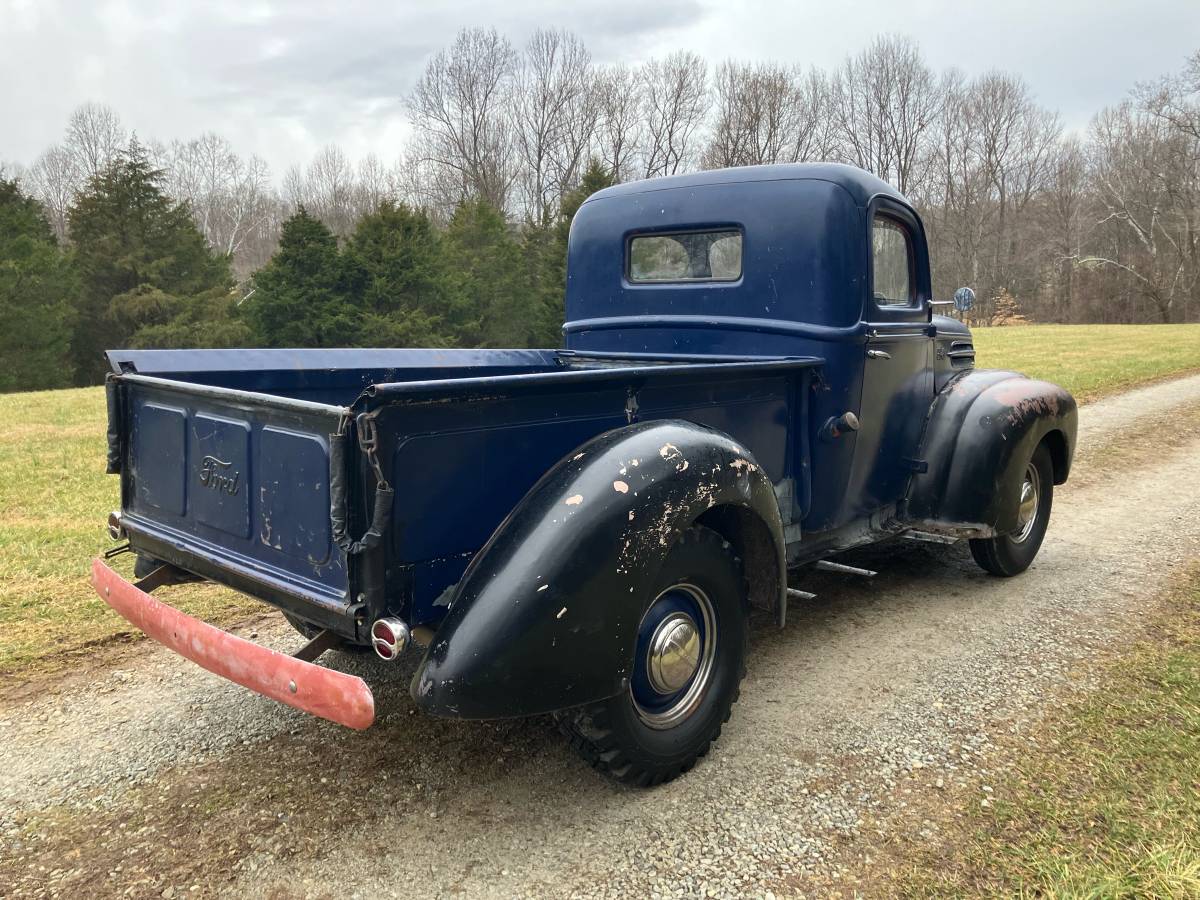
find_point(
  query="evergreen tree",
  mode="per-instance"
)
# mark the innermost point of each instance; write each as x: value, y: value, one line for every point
x: 37, y: 289
x: 145, y: 270
x: 398, y: 279
x: 302, y: 296
x: 491, y: 301
x: 548, y: 249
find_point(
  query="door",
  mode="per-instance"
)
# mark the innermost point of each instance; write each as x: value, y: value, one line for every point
x: 897, y: 377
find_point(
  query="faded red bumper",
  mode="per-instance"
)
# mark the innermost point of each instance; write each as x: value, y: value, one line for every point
x: 323, y: 692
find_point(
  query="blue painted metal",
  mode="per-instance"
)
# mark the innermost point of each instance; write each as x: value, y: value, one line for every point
x: 460, y: 467
x: 225, y: 454
x: 639, y: 680
x: 805, y: 291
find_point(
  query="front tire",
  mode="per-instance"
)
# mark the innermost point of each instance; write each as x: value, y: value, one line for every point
x: 1011, y: 554
x: 688, y: 666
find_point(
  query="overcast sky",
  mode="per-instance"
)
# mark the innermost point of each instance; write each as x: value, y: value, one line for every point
x: 282, y: 79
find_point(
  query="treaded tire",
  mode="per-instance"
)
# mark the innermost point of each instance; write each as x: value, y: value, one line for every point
x: 1003, y: 555
x: 612, y: 736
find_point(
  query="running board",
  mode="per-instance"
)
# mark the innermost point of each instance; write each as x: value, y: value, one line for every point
x: 824, y: 565
x: 929, y: 537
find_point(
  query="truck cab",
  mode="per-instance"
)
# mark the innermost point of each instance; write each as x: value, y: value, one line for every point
x: 752, y: 379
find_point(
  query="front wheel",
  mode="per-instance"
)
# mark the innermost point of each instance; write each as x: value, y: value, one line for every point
x: 689, y: 661
x: 1011, y: 554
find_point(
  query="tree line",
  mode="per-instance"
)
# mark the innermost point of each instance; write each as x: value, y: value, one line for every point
x: 107, y: 241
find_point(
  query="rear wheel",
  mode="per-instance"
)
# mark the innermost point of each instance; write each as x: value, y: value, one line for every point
x: 688, y: 665
x: 1011, y: 554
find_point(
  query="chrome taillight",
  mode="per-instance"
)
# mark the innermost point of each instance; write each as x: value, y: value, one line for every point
x: 389, y: 637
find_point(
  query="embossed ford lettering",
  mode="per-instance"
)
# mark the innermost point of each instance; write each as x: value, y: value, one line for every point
x: 218, y: 475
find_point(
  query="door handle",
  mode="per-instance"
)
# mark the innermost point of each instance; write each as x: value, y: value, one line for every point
x: 878, y: 354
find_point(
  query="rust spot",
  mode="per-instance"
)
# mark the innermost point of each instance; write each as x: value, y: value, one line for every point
x: 620, y: 487
x: 575, y: 500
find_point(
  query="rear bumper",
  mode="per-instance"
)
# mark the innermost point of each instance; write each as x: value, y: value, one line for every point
x: 331, y: 695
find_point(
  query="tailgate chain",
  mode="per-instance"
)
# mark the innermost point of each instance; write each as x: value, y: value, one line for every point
x: 369, y: 443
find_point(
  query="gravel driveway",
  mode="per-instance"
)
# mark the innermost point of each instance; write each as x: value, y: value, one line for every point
x: 157, y: 779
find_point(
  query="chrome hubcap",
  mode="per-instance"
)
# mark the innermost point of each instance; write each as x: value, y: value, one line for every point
x: 1027, y: 508
x: 673, y: 662
x: 674, y: 653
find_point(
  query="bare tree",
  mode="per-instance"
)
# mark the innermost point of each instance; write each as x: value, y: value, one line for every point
x: 53, y: 180
x: 620, y: 130
x: 1149, y: 190
x: 329, y: 190
x: 459, y: 110
x: 554, y: 113
x: 374, y: 185
x: 676, y: 104
x: 94, y: 136
x: 884, y: 101
x: 766, y: 114
x: 1065, y: 205
x: 230, y: 197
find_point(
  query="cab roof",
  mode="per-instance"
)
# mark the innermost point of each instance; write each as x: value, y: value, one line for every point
x: 862, y: 186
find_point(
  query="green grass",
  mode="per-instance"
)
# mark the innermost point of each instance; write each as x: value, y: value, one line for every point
x: 54, y: 495
x: 1091, y: 360
x: 54, y: 498
x: 1104, y: 800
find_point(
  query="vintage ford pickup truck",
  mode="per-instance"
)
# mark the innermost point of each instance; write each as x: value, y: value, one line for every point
x: 752, y: 380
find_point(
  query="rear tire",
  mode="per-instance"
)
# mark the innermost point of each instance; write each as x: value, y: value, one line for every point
x: 1011, y: 554
x: 666, y: 719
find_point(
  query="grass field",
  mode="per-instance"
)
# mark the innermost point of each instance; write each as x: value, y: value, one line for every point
x: 1091, y: 360
x: 54, y: 496
x: 1104, y: 798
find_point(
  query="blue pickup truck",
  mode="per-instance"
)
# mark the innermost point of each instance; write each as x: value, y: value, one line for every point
x: 752, y: 380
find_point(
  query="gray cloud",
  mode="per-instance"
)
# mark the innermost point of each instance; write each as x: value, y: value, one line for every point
x: 281, y: 79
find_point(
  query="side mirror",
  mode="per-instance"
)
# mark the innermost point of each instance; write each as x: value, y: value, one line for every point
x: 964, y: 299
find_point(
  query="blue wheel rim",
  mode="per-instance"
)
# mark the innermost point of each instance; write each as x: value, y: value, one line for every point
x: 661, y: 708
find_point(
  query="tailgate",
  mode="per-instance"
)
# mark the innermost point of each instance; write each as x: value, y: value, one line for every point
x: 234, y: 486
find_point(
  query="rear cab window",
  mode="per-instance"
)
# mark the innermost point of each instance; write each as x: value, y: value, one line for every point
x: 686, y: 256
x: 892, y: 266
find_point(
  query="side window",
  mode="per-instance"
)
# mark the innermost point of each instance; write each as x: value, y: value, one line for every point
x: 892, y: 264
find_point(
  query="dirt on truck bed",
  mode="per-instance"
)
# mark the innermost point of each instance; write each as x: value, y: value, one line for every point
x: 154, y: 778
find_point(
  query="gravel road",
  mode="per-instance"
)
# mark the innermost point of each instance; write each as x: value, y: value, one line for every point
x: 157, y: 779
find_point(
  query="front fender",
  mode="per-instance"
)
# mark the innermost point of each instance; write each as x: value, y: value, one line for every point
x: 982, y: 428
x: 546, y: 615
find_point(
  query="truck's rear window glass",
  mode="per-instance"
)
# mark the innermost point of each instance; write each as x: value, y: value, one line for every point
x: 892, y: 263
x: 687, y: 256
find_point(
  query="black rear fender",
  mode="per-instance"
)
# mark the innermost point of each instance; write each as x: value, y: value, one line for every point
x: 546, y: 616
x: 982, y: 429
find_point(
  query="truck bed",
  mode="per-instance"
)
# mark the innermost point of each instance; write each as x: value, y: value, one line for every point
x: 225, y: 454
